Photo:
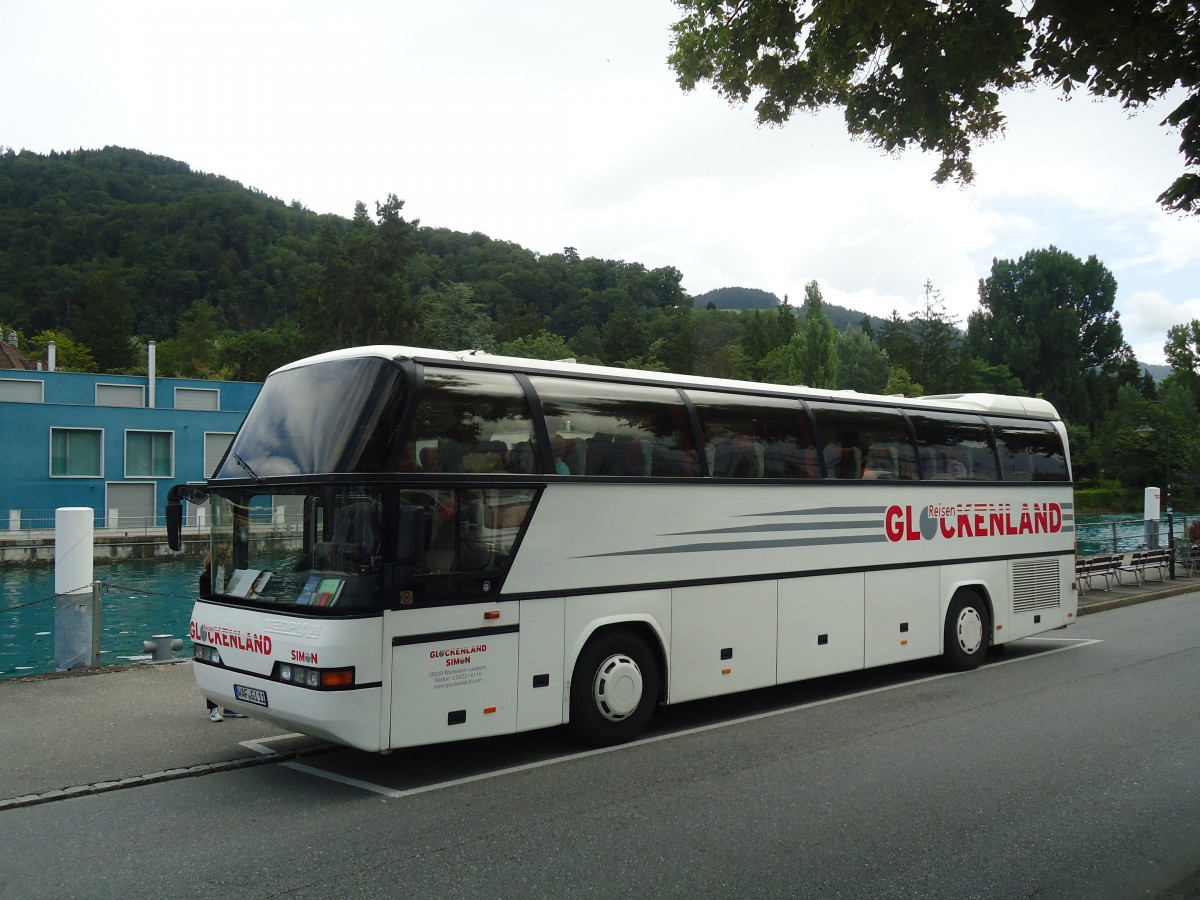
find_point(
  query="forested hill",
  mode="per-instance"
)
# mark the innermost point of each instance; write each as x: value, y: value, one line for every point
x: 739, y: 298
x: 191, y: 255
x: 174, y: 235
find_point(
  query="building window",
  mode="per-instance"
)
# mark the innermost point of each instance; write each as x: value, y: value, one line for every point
x: 148, y: 454
x: 76, y: 452
x: 131, y: 395
x: 16, y: 390
x: 198, y: 399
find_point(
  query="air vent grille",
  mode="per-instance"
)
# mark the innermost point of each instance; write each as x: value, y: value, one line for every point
x: 1036, y: 585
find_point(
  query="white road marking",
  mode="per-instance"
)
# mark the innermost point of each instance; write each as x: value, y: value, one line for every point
x: 1069, y: 644
x: 257, y: 743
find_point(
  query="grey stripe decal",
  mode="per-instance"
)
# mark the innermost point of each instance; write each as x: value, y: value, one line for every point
x: 741, y: 545
x: 779, y: 526
x: 822, y: 511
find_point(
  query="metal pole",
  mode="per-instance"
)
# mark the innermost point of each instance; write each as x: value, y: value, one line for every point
x: 95, y: 662
x: 1170, y: 510
x: 1146, y: 431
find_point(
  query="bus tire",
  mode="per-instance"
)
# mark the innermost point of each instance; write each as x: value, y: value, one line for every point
x: 614, y: 689
x: 968, y: 627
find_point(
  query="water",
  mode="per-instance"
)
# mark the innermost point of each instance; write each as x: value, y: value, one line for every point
x: 1094, y: 534
x: 140, y: 599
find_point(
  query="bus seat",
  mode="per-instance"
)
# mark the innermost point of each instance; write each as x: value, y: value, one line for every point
x: 631, y: 457
x: 881, y: 463
x: 810, y: 466
x: 738, y: 458
x: 847, y: 463
x: 599, y: 454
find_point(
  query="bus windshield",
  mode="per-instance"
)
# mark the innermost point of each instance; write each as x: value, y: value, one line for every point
x: 315, y: 549
x: 339, y: 416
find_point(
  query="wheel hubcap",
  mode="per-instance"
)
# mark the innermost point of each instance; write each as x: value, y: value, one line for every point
x: 617, y: 689
x: 970, y: 630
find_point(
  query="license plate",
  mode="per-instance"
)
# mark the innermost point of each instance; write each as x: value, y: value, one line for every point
x: 250, y: 695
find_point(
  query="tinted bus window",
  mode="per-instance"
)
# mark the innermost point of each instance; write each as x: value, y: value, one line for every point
x: 601, y: 428
x: 339, y: 416
x: 1030, y: 451
x: 865, y: 442
x: 954, y: 447
x: 755, y: 437
x: 472, y: 422
x: 469, y: 529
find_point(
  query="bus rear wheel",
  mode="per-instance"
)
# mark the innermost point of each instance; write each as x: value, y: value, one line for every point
x: 614, y: 689
x: 968, y: 628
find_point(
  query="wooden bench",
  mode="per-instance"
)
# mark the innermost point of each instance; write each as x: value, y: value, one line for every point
x: 1139, y: 562
x: 1095, y: 567
x: 1132, y: 563
x: 1159, y: 560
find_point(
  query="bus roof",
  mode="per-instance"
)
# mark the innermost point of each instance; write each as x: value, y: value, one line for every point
x: 991, y: 404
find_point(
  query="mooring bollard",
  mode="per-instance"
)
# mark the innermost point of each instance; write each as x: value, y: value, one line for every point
x: 161, y: 646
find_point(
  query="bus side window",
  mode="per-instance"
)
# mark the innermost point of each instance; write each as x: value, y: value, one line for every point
x: 954, y: 446
x: 624, y: 430
x: 1030, y: 451
x: 465, y: 421
x: 755, y: 437
x: 850, y: 432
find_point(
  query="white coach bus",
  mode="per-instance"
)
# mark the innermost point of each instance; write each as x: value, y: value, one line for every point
x: 412, y: 546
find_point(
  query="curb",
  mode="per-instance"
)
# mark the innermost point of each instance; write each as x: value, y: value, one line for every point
x: 1134, y: 599
x: 103, y: 787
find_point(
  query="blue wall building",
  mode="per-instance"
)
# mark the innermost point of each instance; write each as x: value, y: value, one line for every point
x: 114, y: 443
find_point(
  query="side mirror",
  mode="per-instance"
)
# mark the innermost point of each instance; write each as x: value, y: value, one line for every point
x: 174, y: 515
x: 174, y: 511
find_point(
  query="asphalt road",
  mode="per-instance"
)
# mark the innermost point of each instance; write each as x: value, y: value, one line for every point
x: 1068, y: 767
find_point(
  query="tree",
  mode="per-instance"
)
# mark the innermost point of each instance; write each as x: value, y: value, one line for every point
x: 195, y: 350
x: 103, y: 322
x: 935, y: 336
x: 931, y: 74
x: 450, y: 319
x: 252, y: 355
x: 897, y: 341
x: 543, y: 345
x: 817, y: 363
x: 1049, y: 317
x: 862, y: 364
x: 1182, y: 350
x: 361, y: 291
x: 625, y: 335
x: 69, y: 355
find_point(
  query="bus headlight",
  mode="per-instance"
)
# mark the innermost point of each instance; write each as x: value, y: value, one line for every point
x: 205, y: 653
x: 316, y: 679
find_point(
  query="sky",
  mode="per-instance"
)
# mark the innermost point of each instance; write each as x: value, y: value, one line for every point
x: 556, y: 123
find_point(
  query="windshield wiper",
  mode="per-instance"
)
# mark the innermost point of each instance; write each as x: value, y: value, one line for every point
x: 245, y: 465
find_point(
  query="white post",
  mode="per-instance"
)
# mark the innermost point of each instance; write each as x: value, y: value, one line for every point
x: 14, y: 520
x: 73, y: 554
x: 1151, y: 505
x: 151, y: 375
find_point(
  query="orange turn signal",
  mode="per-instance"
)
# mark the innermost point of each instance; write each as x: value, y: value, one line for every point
x: 337, y: 678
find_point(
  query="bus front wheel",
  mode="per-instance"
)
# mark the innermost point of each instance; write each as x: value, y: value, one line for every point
x: 614, y: 689
x: 968, y: 628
